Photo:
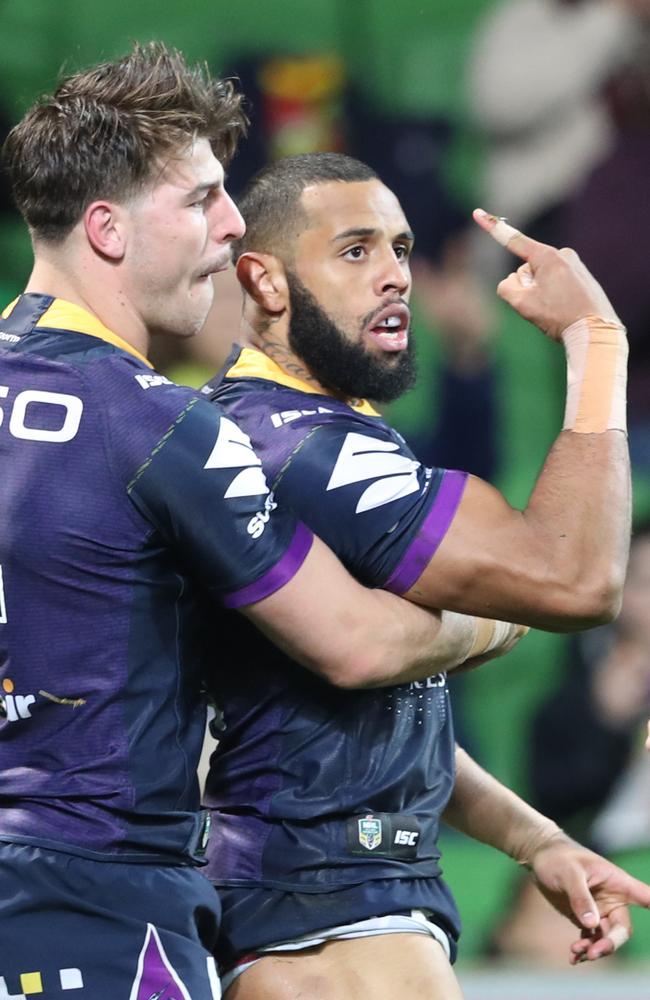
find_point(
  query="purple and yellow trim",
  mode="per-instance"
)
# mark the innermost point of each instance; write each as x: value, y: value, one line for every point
x: 252, y: 363
x: 62, y: 315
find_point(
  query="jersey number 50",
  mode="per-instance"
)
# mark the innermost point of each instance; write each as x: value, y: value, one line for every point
x: 70, y: 410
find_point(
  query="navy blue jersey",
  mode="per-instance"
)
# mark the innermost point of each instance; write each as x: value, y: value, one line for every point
x: 128, y: 503
x: 313, y: 787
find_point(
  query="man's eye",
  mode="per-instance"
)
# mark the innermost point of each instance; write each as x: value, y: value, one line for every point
x: 356, y: 253
x: 401, y: 251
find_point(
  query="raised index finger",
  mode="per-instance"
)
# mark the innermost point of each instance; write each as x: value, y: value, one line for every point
x: 508, y: 236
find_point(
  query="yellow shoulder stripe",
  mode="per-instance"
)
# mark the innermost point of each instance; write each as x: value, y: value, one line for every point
x: 64, y: 315
x: 254, y: 364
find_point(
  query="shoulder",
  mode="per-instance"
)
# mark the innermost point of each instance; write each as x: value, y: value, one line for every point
x: 146, y: 414
x: 129, y: 387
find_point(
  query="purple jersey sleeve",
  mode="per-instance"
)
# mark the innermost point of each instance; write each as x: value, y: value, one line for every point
x: 193, y: 474
x: 359, y: 487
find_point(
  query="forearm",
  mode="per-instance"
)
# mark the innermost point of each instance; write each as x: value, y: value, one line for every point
x: 460, y: 641
x: 580, y: 507
x: 484, y: 809
x: 580, y: 511
x: 560, y: 563
x: 357, y: 637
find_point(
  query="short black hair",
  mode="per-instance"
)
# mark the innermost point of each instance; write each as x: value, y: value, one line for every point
x: 270, y: 204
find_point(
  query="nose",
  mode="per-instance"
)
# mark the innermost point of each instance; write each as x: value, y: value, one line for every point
x: 393, y: 275
x: 227, y: 223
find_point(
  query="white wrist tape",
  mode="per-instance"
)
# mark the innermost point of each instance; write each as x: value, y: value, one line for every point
x: 459, y: 633
x: 596, y: 351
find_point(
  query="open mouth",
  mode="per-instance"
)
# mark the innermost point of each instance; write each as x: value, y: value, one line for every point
x: 390, y: 327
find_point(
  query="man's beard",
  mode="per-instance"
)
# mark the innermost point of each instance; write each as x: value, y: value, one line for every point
x: 346, y: 368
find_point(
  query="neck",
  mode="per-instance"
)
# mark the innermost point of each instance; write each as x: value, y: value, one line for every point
x: 84, y: 284
x: 270, y: 335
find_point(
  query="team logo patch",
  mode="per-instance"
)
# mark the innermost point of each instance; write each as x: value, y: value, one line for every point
x: 369, y: 832
x: 385, y: 835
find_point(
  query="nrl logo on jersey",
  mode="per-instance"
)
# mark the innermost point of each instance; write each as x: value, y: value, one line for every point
x: 369, y: 832
x: 362, y: 458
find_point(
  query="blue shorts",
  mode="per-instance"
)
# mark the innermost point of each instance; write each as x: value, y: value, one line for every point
x: 254, y: 917
x: 74, y: 927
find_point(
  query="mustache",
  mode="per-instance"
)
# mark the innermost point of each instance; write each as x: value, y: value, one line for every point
x: 392, y: 300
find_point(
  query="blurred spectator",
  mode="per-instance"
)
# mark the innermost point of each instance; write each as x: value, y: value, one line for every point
x: 461, y: 311
x: 560, y: 92
x: 536, y: 90
x: 585, y: 735
x: 589, y: 771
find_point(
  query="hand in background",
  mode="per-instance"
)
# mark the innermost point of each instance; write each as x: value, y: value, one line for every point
x: 591, y: 892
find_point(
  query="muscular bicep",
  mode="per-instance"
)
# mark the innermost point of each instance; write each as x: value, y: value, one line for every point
x: 495, y: 561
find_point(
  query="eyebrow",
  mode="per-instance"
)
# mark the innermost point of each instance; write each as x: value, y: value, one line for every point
x: 205, y: 187
x: 365, y: 232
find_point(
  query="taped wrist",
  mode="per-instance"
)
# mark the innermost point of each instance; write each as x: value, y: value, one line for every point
x: 492, y: 634
x: 470, y: 636
x: 596, y: 351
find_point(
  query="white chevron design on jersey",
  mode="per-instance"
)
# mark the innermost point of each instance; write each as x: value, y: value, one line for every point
x: 362, y: 457
x: 233, y: 450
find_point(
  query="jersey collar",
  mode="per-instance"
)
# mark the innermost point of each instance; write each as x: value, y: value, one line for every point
x: 253, y: 364
x: 62, y: 315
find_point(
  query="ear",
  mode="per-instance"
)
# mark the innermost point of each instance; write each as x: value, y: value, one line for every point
x: 103, y: 229
x: 263, y: 277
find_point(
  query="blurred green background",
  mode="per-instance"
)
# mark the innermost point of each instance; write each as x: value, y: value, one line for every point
x: 408, y: 57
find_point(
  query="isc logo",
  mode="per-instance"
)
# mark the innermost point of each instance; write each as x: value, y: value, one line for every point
x: 286, y: 416
x: 406, y: 838
x: 150, y: 381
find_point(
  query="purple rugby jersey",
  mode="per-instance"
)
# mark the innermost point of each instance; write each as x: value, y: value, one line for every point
x: 130, y: 508
x: 315, y: 788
